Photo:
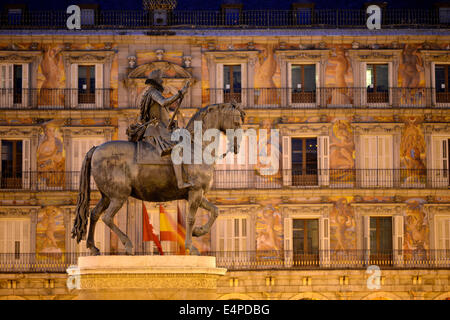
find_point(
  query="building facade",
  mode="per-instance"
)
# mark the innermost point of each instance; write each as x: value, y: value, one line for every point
x: 353, y: 202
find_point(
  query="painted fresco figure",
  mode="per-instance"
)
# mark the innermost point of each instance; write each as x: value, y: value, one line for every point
x: 154, y: 126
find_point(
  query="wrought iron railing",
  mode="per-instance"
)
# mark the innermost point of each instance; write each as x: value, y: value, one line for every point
x: 255, y: 260
x: 50, y: 98
x: 258, y: 179
x: 332, y: 97
x: 300, y: 18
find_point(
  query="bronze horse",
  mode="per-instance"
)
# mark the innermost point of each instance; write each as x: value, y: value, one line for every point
x: 118, y: 176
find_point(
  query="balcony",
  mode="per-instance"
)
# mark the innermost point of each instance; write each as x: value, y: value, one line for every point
x: 188, y: 19
x: 55, y: 99
x: 253, y: 179
x: 266, y: 98
x: 255, y: 260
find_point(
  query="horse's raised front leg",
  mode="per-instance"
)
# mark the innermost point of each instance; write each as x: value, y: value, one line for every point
x: 108, y: 219
x: 205, y: 204
x: 195, y: 199
x: 95, y: 215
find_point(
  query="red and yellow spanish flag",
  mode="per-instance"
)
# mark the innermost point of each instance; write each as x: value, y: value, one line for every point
x: 181, y: 231
x: 166, y: 226
x: 147, y: 232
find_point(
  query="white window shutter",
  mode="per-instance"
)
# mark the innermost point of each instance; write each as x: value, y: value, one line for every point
x: 325, y: 241
x: 366, y: 238
x: 25, y: 84
x: 6, y: 85
x: 73, y: 85
x: 439, y: 169
x: 364, y: 84
x: 26, y: 163
x: 324, y: 161
x: 244, y: 86
x: 397, y: 240
x: 289, y: 86
x: 369, y: 161
x: 25, y: 245
x: 2, y: 235
x: 218, y: 90
x: 288, y: 247
x: 99, y: 94
x: 287, y: 163
x: 384, y: 161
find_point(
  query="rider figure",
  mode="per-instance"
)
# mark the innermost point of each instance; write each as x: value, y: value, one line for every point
x: 154, y: 119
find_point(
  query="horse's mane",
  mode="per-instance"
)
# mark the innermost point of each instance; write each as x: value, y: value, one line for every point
x: 202, y: 112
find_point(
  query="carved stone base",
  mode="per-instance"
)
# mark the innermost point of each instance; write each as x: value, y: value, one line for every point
x: 145, y: 278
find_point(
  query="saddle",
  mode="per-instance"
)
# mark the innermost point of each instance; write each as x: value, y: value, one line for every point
x: 148, y: 154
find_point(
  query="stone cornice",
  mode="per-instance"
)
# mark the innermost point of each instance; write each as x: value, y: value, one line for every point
x: 375, y: 55
x: 315, y: 55
x: 306, y: 209
x: 88, y: 130
x: 244, y: 209
x: 436, y: 128
x: 18, y: 211
x: 232, y: 56
x: 360, y: 128
x: 305, y: 128
x: 379, y: 208
x: 436, y: 55
x: 87, y: 56
x: 437, y: 208
x: 18, y: 131
x: 19, y: 56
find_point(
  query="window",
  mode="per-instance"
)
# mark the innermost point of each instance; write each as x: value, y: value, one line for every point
x: 305, y: 239
x: 305, y: 161
x: 232, y: 234
x: 232, y: 83
x: 377, y: 82
x: 440, y: 161
x: 80, y: 146
x: 302, y: 13
x: 86, y: 84
x: 443, y: 233
x: 381, y: 238
x: 377, y: 161
x: 444, y: 14
x: 14, y: 84
x: 303, y: 83
x: 442, y: 82
x: 11, y: 164
x: 15, y: 237
x: 231, y: 13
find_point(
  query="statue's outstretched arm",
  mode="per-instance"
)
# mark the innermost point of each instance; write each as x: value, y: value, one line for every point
x: 158, y: 97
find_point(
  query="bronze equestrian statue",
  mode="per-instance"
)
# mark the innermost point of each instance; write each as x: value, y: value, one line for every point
x: 115, y: 170
x: 155, y: 125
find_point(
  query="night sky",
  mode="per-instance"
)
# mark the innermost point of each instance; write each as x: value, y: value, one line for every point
x: 215, y: 4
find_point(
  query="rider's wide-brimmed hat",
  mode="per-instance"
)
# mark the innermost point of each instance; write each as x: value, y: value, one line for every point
x: 154, y: 76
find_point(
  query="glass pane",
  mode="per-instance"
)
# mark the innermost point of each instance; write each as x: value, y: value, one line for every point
x: 237, y: 78
x: 382, y: 82
x: 297, y: 156
x: 440, y: 78
x: 226, y: 77
x: 310, y: 77
x: 298, y: 235
x: 236, y: 227
x: 313, y: 235
x: 311, y: 156
x: 370, y: 76
x: 244, y: 227
x: 296, y: 74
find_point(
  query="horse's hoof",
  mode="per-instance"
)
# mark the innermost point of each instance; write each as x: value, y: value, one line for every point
x: 198, y: 232
x: 129, y: 249
x: 95, y: 251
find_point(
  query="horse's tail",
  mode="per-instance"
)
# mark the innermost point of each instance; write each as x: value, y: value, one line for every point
x: 84, y: 194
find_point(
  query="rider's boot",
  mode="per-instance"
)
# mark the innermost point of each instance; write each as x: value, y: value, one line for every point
x: 179, y: 176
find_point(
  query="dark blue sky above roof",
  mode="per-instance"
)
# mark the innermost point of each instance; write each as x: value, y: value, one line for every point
x: 215, y: 4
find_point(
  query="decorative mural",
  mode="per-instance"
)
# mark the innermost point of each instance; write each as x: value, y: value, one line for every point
x: 413, y: 152
x: 339, y: 74
x: 51, y: 76
x: 416, y: 235
x: 50, y: 156
x: 342, y: 152
x: 50, y: 233
x: 342, y: 225
x: 269, y: 231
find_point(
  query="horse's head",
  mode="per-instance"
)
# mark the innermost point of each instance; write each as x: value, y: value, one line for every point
x: 232, y: 118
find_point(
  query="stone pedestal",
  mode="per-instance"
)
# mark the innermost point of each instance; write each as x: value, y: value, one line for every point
x: 145, y: 278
